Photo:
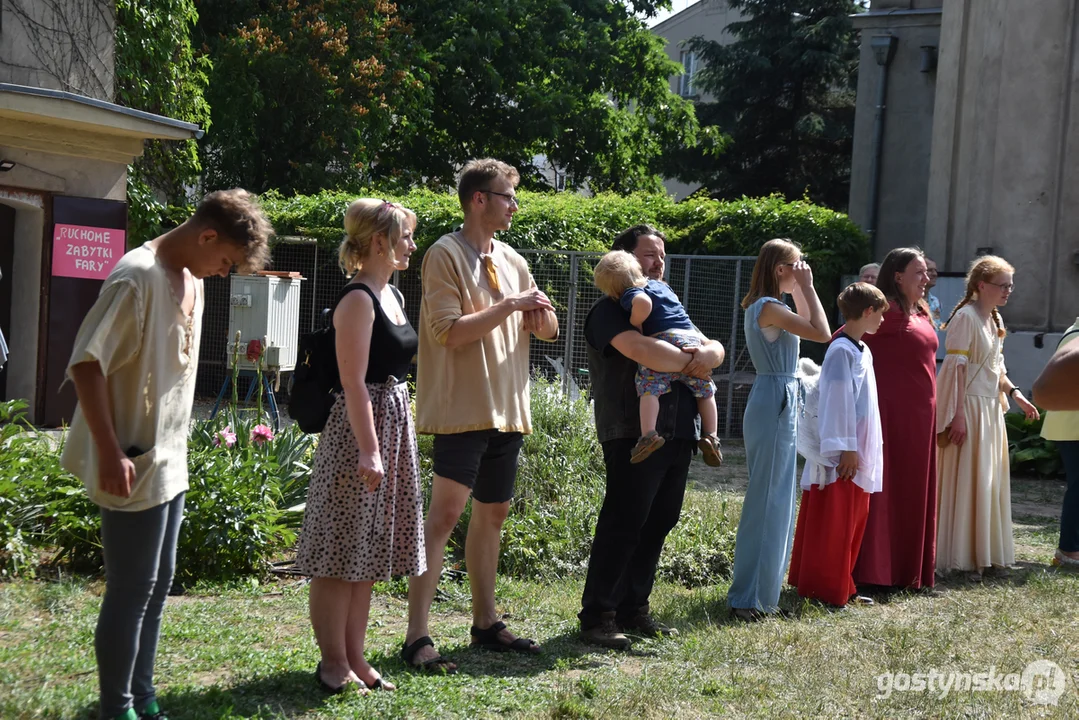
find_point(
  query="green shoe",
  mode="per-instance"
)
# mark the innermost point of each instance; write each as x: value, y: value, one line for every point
x: 129, y: 714
x: 152, y: 711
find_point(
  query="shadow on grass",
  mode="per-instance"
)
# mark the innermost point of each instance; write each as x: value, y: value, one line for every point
x: 282, y: 694
x: 559, y: 651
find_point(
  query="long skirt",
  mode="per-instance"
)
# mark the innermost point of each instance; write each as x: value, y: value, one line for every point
x: 974, y: 515
x: 353, y: 533
x: 831, y: 522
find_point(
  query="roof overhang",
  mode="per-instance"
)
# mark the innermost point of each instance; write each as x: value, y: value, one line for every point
x: 65, y: 123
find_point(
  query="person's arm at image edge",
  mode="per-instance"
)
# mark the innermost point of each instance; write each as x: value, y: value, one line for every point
x: 1057, y: 388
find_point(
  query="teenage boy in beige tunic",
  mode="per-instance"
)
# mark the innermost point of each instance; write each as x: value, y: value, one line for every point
x: 133, y: 366
x: 480, y: 307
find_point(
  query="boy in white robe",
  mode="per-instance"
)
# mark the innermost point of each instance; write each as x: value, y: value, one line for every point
x: 848, y: 466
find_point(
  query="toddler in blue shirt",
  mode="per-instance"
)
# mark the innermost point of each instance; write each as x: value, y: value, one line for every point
x: 656, y: 311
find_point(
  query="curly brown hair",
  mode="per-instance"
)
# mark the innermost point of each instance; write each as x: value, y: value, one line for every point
x: 237, y: 216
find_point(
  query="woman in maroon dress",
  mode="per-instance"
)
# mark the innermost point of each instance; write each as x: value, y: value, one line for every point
x: 899, y: 546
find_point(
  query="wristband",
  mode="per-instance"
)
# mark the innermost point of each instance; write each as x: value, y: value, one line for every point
x: 1013, y: 391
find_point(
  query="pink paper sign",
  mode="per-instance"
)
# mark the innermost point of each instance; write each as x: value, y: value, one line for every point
x: 86, y: 252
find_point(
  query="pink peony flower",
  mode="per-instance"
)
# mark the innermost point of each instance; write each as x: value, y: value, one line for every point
x: 261, y: 434
x: 226, y: 436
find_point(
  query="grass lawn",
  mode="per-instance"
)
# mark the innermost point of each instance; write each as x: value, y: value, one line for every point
x: 248, y: 652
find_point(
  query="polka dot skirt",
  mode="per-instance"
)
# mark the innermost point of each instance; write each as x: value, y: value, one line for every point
x: 353, y: 533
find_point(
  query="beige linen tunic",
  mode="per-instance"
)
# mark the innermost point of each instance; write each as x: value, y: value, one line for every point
x: 148, y: 352
x: 482, y: 385
x: 974, y: 511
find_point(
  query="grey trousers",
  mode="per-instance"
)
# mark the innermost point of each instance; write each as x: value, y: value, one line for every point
x: 140, y: 557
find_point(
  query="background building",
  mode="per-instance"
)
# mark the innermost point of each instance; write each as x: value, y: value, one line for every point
x: 64, y: 152
x: 977, y: 149
x: 708, y: 19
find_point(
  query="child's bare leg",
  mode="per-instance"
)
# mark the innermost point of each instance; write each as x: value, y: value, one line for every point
x: 709, y: 415
x: 650, y: 413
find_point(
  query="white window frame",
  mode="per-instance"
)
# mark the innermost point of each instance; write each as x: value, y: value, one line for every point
x: 689, y: 65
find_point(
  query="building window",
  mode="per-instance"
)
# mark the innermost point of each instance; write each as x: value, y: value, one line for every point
x: 685, y: 83
x: 559, y: 181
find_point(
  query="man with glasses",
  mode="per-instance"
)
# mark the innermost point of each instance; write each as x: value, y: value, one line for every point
x: 930, y: 298
x: 480, y: 305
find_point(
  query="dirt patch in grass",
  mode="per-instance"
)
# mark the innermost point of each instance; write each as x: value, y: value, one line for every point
x: 732, y: 477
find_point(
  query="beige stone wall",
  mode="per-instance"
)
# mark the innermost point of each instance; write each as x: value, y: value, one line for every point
x: 1005, y: 167
x: 59, y: 44
x: 908, y: 123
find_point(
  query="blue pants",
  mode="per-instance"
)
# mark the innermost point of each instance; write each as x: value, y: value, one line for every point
x: 140, y: 557
x: 766, y: 528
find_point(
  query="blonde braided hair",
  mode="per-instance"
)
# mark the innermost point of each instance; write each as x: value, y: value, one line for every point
x: 982, y: 270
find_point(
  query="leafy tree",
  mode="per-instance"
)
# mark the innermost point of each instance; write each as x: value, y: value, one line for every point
x: 304, y: 94
x: 583, y: 82
x: 158, y: 71
x: 784, y: 91
x: 341, y: 94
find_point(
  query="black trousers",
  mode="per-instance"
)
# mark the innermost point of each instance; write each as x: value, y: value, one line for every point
x: 641, y: 506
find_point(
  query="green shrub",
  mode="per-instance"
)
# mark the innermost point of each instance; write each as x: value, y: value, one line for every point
x: 568, y: 221
x: 44, y: 511
x: 1028, y: 452
x: 700, y: 549
x: 237, y: 516
x: 559, y: 491
x: 241, y: 508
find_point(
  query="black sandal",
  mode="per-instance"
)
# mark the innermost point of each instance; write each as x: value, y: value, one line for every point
x: 489, y: 640
x: 435, y: 664
x: 326, y: 687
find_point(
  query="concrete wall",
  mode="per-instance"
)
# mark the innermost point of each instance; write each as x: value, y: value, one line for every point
x: 64, y: 174
x: 1004, y: 173
x: 908, y: 122
x: 39, y: 39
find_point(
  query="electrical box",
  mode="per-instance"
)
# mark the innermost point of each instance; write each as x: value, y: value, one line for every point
x: 267, y: 309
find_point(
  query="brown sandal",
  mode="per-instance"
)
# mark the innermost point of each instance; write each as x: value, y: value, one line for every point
x: 647, y: 445
x: 709, y: 447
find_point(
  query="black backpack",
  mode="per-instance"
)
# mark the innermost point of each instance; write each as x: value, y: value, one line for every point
x: 316, y: 380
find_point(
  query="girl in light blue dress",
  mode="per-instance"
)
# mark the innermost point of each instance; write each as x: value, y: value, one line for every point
x: 766, y: 528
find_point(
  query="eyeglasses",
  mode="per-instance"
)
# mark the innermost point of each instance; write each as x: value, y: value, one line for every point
x: 511, y: 199
x: 1005, y: 287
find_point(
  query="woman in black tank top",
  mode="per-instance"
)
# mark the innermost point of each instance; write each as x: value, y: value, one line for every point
x: 364, y: 516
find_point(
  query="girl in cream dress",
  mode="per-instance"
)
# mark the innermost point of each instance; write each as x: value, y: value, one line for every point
x: 974, y: 529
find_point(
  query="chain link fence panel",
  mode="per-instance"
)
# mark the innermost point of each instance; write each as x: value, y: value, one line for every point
x: 710, y: 288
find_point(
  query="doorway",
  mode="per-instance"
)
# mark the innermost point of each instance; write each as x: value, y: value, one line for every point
x: 7, y: 260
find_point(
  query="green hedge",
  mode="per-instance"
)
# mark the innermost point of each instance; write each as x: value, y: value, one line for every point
x: 567, y: 221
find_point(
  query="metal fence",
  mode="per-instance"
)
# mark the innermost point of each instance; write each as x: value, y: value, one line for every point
x: 710, y: 287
